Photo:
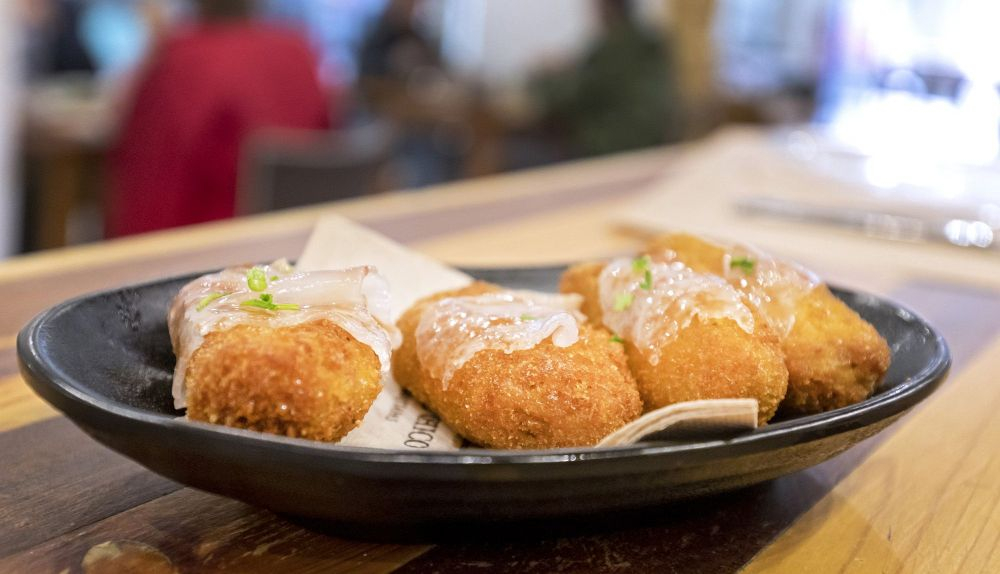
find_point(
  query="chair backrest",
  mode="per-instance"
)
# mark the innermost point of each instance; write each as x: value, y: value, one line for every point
x: 282, y: 169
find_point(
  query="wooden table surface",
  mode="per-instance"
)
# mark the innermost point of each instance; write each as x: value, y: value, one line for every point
x: 922, y: 496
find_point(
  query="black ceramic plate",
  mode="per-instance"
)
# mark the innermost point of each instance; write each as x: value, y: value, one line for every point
x: 105, y: 361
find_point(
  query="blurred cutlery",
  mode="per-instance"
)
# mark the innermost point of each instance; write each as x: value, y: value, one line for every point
x: 959, y: 232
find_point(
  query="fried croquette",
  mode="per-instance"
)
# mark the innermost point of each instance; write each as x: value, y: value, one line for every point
x: 834, y: 357
x: 546, y: 396
x: 710, y: 358
x: 269, y: 349
x: 312, y: 380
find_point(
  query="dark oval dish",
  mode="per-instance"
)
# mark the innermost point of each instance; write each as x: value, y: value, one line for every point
x: 105, y: 361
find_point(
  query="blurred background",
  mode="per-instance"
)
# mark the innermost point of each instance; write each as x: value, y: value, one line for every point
x: 120, y: 117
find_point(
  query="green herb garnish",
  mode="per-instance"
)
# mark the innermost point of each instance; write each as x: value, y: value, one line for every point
x: 617, y: 339
x: 527, y: 317
x: 266, y: 301
x: 647, y: 281
x: 256, y: 279
x: 207, y: 300
x: 641, y: 264
x: 623, y: 301
x: 744, y: 263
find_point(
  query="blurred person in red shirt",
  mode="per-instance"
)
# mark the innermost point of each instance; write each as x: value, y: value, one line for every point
x: 205, y: 89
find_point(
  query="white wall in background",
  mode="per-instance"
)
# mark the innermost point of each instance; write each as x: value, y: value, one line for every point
x: 502, y: 42
x: 10, y: 63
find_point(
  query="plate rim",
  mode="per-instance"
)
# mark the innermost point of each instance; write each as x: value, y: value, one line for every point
x: 62, y: 391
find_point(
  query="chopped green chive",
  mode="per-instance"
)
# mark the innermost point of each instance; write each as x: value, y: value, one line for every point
x: 207, y: 300
x: 623, y: 301
x: 266, y: 301
x: 528, y: 317
x: 256, y: 279
x: 647, y: 281
x: 641, y: 264
x: 617, y: 339
x: 744, y: 263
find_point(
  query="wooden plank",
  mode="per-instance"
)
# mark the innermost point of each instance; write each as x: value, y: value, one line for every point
x: 35, y: 293
x: 710, y: 535
x: 469, y: 193
x: 19, y: 405
x: 452, y: 221
x: 54, y: 480
x: 573, y: 233
x: 8, y: 361
x: 927, y: 500
x: 195, y: 531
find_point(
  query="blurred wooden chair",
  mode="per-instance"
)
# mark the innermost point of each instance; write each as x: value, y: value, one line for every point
x: 281, y: 170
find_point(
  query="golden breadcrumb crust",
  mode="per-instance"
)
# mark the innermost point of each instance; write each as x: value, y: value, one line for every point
x: 544, y: 397
x: 312, y: 380
x: 713, y: 359
x: 834, y: 357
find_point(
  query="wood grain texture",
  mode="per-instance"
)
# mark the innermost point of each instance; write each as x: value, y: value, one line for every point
x: 927, y: 500
x: 8, y: 361
x: 710, y: 535
x: 54, y: 480
x: 36, y: 291
x: 201, y: 532
x: 571, y: 234
x: 19, y: 405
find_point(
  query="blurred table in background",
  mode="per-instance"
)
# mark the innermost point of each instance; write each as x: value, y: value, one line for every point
x: 922, y: 496
x: 68, y: 127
